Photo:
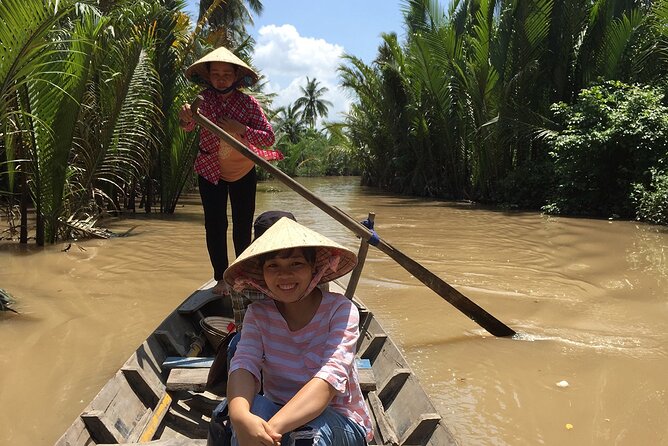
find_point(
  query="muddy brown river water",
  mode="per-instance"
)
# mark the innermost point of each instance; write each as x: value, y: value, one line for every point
x: 589, y: 299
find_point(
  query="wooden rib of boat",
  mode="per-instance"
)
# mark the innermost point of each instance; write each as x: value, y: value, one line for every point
x: 158, y: 396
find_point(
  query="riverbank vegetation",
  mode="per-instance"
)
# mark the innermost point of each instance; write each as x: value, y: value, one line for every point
x: 547, y: 104
x: 556, y: 105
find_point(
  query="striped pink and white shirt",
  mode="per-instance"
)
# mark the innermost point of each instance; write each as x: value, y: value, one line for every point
x: 325, y: 348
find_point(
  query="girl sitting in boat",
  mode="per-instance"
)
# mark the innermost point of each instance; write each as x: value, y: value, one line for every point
x: 300, y: 344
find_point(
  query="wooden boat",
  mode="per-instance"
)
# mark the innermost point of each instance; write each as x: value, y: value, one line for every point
x: 158, y: 396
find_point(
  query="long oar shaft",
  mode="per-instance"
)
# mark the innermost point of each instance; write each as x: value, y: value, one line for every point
x: 447, y: 292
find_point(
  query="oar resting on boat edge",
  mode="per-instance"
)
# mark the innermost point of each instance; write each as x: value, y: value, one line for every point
x: 446, y: 291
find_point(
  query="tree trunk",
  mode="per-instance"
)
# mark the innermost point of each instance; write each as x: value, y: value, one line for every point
x: 149, y: 194
x: 23, y: 208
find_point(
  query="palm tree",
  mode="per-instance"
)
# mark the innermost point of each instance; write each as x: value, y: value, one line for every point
x: 311, y: 103
x: 460, y: 106
x: 288, y: 123
x: 368, y: 126
x: 227, y: 20
x: 39, y: 54
x: 80, y: 144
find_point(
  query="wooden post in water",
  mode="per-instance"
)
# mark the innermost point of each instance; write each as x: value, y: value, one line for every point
x: 361, y: 258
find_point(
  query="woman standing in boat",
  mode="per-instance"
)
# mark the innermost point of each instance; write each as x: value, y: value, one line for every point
x: 221, y: 170
x: 300, y: 344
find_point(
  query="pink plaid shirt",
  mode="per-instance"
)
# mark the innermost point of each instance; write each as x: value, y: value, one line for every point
x: 245, y: 109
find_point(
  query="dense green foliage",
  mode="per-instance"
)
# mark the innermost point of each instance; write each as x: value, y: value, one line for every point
x: 108, y: 135
x: 652, y: 201
x: 88, y: 104
x: 89, y: 97
x: 462, y: 109
x: 316, y: 154
x: 613, y: 135
x: 309, y: 151
x: 526, y: 103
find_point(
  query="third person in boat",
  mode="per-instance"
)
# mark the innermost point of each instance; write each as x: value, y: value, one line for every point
x: 222, y: 171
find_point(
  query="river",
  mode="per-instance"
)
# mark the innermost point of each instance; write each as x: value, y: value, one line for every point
x: 589, y: 299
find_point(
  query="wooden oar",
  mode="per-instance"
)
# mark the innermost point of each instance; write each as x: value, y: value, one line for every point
x: 447, y: 292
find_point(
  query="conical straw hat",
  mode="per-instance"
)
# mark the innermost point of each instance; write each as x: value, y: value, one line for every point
x: 198, y: 72
x: 287, y: 234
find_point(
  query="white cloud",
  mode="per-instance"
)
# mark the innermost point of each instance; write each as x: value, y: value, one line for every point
x: 286, y: 59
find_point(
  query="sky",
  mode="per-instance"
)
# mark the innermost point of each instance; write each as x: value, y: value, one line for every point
x: 296, y: 39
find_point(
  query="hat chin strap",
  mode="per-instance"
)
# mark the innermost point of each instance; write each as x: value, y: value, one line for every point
x: 228, y: 89
x: 331, y: 265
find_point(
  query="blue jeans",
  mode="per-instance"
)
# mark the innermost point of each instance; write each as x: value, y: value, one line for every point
x: 329, y: 429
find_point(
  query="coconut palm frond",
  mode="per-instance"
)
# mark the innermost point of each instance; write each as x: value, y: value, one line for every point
x: 55, y: 97
x: 23, y: 38
x: 287, y: 123
x: 617, y: 40
x: 28, y: 48
x: 657, y: 54
x: 128, y: 140
x: 425, y: 69
x: 423, y: 15
x: 139, y: 115
x: 176, y: 164
x: 312, y: 103
x: 537, y: 25
x: 65, y: 121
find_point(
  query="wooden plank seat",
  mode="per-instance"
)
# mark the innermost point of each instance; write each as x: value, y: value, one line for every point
x: 108, y: 427
x: 193, y: 375
x: 372, y: 345
x: 421, y: 429
x: 101, y: 427
x: 366, y: 375
x: 135, y: 377
x: 131, y: 403
x: 390, y: 388
x: 193, y: 362
x: 169, y: 344
x: 187, y: 379
x: 417, y: 433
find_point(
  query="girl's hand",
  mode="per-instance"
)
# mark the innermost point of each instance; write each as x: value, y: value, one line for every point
x: 251, y: 430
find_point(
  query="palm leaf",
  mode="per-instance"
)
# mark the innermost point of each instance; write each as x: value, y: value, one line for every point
x: 537, y: 24
x: 53, y: 97
x: 618, y: 38
x: 26, y: 54
x: 117, y: 132
x: 56, y: 154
